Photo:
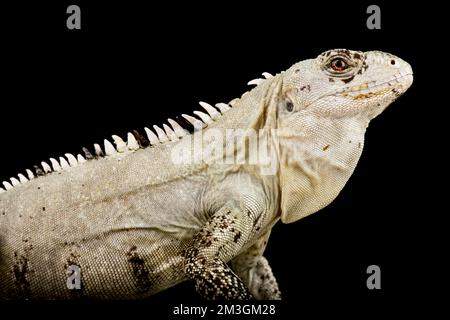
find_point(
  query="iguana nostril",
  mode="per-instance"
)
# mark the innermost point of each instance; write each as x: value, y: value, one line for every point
x: 393, y: 62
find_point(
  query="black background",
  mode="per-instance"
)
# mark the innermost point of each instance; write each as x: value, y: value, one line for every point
x: 134, y: 65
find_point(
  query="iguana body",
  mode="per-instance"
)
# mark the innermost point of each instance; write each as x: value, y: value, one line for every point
x: 142, y: 219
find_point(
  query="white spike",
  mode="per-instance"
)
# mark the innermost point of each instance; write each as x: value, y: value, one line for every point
x: 161, y: 134
x: 80, y: 158
x: 267, y: 75
x: 72, y: 160
x: 55, y: 165
x: 30, y: 174
x: 205, y: 118
x: 170, y: 133
x: 179, y: 131
x: 223, y: 107
x: 132, y: 142
x: 109, y: 148
x: 7, y: 185
x: 22, y: 178
x: 255, y: 82
x: 198, y: 125
x: 151, y: 136
x: 98, y: 150
x: 64, y: 163
x: 15, y: 182
x: 46, y: 167
x: 210, y: 109
x: 121, y: 146
x: 2, y: 190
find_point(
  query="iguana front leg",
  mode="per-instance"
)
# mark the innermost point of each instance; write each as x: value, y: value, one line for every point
x: 255, y: 271
x: 227, y: 231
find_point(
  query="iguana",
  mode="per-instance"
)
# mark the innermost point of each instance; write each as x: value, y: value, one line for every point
x: 143, y: 215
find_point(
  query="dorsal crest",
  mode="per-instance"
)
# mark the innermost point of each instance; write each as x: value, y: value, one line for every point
x: 172, y: 131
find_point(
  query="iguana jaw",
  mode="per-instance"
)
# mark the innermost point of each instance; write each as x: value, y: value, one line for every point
x: 365, y: 90
x: 374, y: 88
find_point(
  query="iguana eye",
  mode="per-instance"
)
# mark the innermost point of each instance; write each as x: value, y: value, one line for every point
x: 339, y: 64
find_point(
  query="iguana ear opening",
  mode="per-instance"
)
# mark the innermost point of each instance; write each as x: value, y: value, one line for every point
x: 286, y: 103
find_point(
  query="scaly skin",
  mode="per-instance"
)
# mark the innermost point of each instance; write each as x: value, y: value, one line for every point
x: 141, y: 220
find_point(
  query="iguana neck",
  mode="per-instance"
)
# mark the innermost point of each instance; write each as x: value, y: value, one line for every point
x: 244, y: 121
x: 251, y: 111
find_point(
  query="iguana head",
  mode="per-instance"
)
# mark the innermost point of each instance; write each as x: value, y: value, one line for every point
x: 344, y: 83
x: 324, y: 106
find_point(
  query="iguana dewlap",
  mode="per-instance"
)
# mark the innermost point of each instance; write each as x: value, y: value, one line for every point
x: 140, y: 216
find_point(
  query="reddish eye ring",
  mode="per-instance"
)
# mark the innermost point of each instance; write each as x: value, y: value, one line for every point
x: 338, y: 64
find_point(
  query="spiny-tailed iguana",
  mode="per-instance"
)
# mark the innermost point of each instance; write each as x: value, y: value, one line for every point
x: 143, y: 215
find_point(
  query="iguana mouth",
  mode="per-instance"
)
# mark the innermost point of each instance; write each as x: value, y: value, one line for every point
x: 365, y: 90
x: 370, y: 87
